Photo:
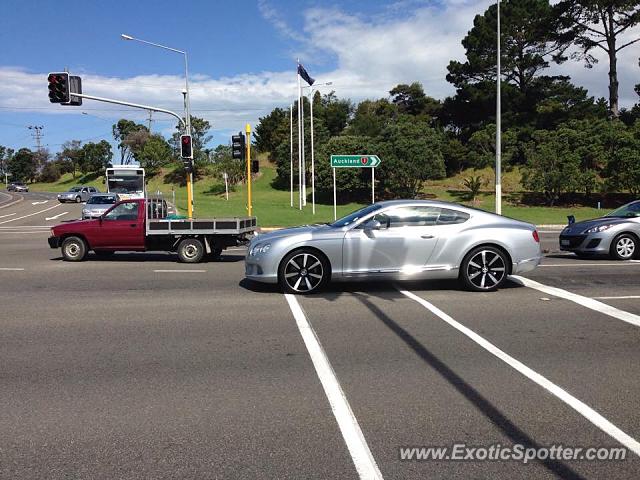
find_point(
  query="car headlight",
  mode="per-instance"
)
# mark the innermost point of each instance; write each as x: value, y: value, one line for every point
x: 599, y: 228
x: 260, y: 248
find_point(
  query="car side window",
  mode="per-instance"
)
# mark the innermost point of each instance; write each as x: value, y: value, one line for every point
x: 450, y: 217
x: 124, y: 211
x: 408, y: 217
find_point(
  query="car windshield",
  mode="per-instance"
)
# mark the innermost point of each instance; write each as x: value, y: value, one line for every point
x: 101, y: 200
x: 630, y: 210
x: 355, y: 216
x: 75, y: 189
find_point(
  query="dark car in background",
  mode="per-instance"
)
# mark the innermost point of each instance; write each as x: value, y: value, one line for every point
x: 17, y: 187
x: 617, y: 234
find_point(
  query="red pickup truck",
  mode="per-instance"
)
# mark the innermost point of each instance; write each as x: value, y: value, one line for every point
x: 129, y: 226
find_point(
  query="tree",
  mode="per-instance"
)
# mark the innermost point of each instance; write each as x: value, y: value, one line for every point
x: 622, y: 145
x: 154, y: 154
x: 5, y: 155
x: 22, y: 165
x: 371, y: 116
x: 271, y: 130
x: 223, y: 163
x: 412, y: 100
x: 553, y: 165
x: 482, y: 146
x: 121, y: 131
x: 70, y: 154
x: 599, y: 24
x: 95, y: 157
x: 334, y: 112
x: 50, y: 173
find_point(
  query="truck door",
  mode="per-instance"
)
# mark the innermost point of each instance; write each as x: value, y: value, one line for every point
x: 122, y: 228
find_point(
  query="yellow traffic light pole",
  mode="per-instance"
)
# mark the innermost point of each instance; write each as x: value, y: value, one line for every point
x: 190, y: 195
x: 248, y: 142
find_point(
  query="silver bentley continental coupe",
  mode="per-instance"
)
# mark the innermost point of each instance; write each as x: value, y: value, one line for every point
x: 401, y: 240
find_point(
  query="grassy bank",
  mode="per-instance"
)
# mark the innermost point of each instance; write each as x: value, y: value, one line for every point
x: 272, y: 207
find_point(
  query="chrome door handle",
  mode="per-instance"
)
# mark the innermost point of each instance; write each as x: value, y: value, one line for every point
x: 427, y: 236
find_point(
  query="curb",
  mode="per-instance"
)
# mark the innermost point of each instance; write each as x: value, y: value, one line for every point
x: 4, y: 205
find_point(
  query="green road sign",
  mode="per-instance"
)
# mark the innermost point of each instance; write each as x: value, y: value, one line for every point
x: 355, y: 161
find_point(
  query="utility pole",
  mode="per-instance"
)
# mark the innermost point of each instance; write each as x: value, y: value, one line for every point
x: 149, y: 120
x: 36, y: 135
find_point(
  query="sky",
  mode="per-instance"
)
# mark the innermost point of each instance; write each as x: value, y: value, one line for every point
x: 242, y: 58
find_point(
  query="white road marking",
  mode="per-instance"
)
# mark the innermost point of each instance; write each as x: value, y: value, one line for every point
x: 40, y: 203
x: 25, y: 226
x: 19, y: 231
x: 31, y: 214
x: 569, y: 265
x: 179, y: 271
x: 8, y: 215
x: 360, y: 453
x: 55, y: 216
x: 622, y: 297
x: 587, y: 302
x: 579, y: 406
x: 9, y: 269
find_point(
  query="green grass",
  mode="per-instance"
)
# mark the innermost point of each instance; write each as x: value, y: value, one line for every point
x: 272, y: 207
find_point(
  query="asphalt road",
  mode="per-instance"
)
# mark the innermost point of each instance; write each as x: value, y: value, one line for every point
x: 139, y: 367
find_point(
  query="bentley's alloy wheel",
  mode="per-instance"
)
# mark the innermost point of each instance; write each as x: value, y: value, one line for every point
x: 484, y: 269
x: 302, y: 272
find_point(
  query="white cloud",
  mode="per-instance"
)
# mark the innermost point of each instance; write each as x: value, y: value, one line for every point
x: 371, y: 56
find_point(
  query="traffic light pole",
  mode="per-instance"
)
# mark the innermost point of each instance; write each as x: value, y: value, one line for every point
x: 249, y: 206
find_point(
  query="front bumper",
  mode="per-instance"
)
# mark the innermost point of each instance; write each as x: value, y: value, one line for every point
x: 54, y: 242
x: 257, y: 271
x: 594, y: 243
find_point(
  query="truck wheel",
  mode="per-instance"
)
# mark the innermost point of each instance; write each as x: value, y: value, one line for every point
x: 74, y: 249
x: 190, y: 250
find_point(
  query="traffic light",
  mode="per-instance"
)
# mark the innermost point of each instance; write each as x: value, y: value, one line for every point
x: 186, y: 150
x: 188, y: 164
x: 59, y: 87
x: 237, y: 146
x: 255, y: 166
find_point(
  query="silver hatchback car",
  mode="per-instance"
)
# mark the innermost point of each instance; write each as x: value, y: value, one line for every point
x: 401, y: 239
x: 99, y: 203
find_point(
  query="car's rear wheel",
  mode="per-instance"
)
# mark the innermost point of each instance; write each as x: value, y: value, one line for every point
x: 624, y: 247
x: 74, y: 249
x: 303, y: 271
x: 78, y: 199
x: 484, y: 269
x: 190, y: 250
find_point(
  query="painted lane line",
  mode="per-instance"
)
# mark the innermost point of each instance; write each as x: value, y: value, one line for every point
x: 582, y: 408
x: 360, y: 453
x: 19, y: 231
x: 622, y: 297
x: 25, y: 226
x: 31, y: 214
x: 180, y: 271
x: 8, y: 269
x: 40, y: 203
x: 587, y: 302
x: 8, y: 215
x: 55, y: 216
x: 618, y: 264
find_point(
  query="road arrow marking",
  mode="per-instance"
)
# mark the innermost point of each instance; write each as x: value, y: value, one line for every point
x: 30, y: 215
x: 55, y: 216
x: 39, y: 203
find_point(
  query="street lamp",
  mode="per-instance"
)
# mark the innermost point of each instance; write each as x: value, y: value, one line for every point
x: 187, y: 107
x: 313, y: 168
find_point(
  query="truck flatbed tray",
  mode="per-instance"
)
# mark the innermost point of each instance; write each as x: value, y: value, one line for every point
x: 214, y: 226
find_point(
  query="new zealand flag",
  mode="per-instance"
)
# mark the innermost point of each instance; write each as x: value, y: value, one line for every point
x: 303, y: 73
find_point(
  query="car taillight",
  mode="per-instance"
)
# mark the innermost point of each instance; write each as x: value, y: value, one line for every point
x: 535, y: 236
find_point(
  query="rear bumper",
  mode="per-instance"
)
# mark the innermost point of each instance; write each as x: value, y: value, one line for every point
x: 54, y: 242
x: 526, y: 265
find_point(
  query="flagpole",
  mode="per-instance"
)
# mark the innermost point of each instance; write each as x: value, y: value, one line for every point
x: 304, y: 159
x: 299, y: 141
x: 291, y: 150
x: 313, y: 167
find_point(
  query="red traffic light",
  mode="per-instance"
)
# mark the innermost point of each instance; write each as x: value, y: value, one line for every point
x: 59, y: 90
x: 185, y: 146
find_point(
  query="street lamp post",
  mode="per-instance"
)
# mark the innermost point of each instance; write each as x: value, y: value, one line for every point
x: 498, y: 125
x: 313, y: 168
x: 187, y: 107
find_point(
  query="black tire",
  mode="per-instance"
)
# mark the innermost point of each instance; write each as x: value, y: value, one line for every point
x: 303, y: 271
x: 484, y: 269
x: 624, y: 247
x: 78, y: 199
x: 190, y: 250
x: 74, y: 249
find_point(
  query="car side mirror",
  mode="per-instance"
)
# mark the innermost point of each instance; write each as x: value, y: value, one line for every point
x: 571, y: 219
x: 372, y: 225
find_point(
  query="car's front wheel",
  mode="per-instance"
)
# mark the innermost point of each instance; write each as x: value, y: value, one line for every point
x: 303, y: 271
x: 624, y: 247
x: 484, y: 269
x: 74, y: 249
x: 78, y: 199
